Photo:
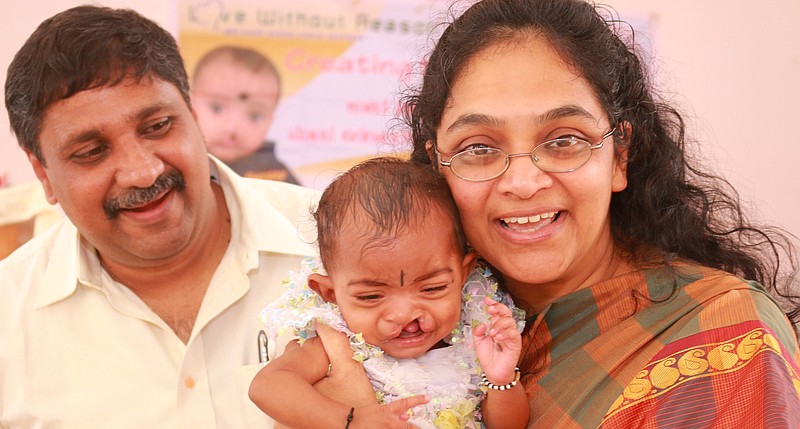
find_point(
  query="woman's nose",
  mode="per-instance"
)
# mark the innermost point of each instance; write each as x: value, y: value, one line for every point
x: 523, y: 178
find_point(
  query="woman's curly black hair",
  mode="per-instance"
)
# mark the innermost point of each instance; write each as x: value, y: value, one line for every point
x: 672, y: 208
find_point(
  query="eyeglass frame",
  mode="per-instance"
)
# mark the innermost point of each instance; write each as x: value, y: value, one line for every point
x: 592, y: 147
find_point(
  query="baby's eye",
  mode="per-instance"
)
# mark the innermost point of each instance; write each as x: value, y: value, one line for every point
x: 256, y: 117
x: 216, y: 108
x: 435, y: 289
x: 367, y: 298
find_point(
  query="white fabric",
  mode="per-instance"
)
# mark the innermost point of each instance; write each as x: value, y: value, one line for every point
x: 79, y: 350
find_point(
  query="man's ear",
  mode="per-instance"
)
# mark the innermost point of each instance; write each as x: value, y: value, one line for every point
x: 323, y: 286
x: 41, y: 174
x: 622, y: 141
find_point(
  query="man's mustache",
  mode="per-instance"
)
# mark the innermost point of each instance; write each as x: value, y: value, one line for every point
x: 138, y: 197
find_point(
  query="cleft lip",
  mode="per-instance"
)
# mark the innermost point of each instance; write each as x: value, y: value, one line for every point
x: 412, y: 329
x: 409, y: 334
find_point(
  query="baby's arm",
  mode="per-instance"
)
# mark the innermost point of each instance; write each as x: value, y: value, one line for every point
x: 284, y: 390
x: 498, y: 351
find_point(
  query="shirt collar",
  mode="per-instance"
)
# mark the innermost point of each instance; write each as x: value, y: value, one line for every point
x: 265, y: 216
x: 60, y: 276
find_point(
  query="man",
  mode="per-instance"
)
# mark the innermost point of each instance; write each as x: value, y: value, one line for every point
x: 140, y: 310
x: 235, y: 91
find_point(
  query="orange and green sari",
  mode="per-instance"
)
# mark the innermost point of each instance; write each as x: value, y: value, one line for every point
x: 630, y: 353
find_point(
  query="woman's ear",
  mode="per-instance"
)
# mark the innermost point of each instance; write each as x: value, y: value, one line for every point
x: 323, y: 286
x: 429, y: 149
x: 622, y: 141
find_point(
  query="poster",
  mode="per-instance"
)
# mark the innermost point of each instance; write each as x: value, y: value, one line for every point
x: 343, y: 65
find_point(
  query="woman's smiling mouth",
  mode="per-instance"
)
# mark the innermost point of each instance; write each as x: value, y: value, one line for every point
x: 529, y: 223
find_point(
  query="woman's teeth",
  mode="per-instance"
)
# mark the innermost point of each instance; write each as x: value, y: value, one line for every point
x: 528, y: 219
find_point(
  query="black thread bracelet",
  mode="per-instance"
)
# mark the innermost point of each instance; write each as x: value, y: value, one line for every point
x: 349, y: 417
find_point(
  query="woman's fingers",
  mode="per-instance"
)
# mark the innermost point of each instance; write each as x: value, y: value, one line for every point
x: 346, y: 381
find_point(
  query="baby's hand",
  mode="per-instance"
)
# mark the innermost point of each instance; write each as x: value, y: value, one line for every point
x: 393, y: 415
x: 498, y: 348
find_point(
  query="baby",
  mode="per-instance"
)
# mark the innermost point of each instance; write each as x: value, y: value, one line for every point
x: 402, y: 285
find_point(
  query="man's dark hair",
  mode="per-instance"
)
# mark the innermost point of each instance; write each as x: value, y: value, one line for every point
x: 83, y: 48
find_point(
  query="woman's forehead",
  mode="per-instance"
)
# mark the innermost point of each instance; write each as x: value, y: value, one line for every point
x: 522, y: 79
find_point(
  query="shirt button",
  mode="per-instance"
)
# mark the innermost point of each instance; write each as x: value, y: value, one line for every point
x: 188, y: 382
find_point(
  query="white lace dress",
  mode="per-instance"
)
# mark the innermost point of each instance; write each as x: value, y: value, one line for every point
x: 450, y: 376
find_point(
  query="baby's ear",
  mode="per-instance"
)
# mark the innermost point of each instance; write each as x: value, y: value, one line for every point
x: 323, y: 286
x: 469, y: 262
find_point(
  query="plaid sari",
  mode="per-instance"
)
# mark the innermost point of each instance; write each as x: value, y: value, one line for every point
x: 628, y: 353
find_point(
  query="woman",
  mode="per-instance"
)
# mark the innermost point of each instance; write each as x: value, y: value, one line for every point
x: 572, y: 181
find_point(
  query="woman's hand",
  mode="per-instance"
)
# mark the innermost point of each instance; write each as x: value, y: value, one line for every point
x: 346, y: 382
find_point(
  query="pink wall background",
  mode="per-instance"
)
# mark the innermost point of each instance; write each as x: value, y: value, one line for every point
x: 732, y: 66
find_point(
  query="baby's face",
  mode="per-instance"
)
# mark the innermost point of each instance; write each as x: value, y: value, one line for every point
x: 404, y: 295
x: 234, y: 107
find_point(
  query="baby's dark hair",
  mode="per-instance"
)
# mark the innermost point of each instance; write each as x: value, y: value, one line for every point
x: 383, y: 196
x: 243, y: 56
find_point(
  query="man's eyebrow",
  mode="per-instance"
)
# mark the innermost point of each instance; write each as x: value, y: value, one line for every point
x: 86, y: 136
x: 146, y: 111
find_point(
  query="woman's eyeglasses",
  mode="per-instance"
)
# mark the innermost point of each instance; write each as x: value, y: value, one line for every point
x: 560, y: 155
